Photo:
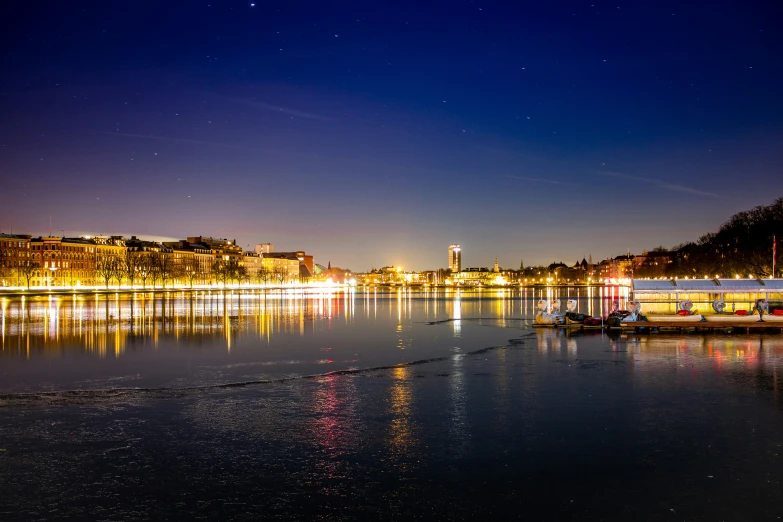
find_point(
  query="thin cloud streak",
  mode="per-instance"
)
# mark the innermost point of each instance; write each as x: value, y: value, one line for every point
x: 291, y: 112
x: 273, y: 108
x: 177, y: 140
x: 662, y: 184
x: 536, y: 180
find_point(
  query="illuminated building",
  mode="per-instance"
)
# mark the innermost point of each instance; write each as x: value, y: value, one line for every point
x: 63, y: 261
x: 14, y: 252
x: 622, y: 267
x: 193, y: 262
x: 474, y: 277
x: 265, y: 248
x: 455, y: 258
x: 221, y: 248
x: 271, y: 270
x: 306, y: 263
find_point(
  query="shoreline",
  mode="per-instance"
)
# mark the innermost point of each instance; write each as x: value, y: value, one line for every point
x: 44, y: 292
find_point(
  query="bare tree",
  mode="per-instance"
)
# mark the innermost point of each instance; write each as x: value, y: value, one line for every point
x: 190, y: 269
x: 227, y: 270
x: 160, y: 267
x: 279, y: 274
x: 166, y: 267
x: 221, y: 271
x: 144, y: 269
x: 27, y: 269
x: 264, y: 275
x: 108, y: 267
x: 131, y: 260
x: 204, y: 272
x: 240, y: 274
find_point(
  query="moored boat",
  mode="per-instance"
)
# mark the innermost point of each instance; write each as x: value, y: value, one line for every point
x: 675, y: 318
x: 549, y: 314
x: 571, y: 315
x: 731, y: 318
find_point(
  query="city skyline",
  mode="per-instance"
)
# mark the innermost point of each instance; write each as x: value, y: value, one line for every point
x: 455, y: 251
x: 369, y: 134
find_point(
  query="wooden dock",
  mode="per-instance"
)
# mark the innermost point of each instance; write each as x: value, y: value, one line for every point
x: 705, y: 326
x: 677, y: 326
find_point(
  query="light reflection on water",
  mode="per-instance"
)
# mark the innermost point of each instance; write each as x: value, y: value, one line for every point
x: 183, y: 339
x: 173, y: 339
x: 104, y: 325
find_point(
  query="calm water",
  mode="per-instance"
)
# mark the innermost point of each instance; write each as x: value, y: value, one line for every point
x: 253, y: 407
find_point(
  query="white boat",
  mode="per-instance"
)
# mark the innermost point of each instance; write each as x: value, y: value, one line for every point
x: 773, y: 318
x: 728, y: 318
x: 675, y: 318
x: 545, y: 318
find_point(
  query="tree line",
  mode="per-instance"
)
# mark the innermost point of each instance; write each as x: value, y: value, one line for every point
x: 743, y: 246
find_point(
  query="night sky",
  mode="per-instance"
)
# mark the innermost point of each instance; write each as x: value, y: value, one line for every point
x: 378, y: 133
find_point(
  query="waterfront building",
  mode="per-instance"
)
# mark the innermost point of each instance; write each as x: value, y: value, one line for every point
x: 193, y: 262
x: 265, y: 248
x: 109, y: 259
x: 473, y: 276
x: 14, y: 257
x: 604, y: 269
x: 455, y: 258
x: 271, y: 270
x: 254, y: 268
x: 109, y: 246
x: 149, y: 261
x: 63, y: 261
x: 306, y: 262
x: 622, y: 267
x: 653, y: 263
x: 226, y: 249
x: 386, y: 275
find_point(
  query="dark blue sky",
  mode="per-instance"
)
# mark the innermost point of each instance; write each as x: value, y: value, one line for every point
x: 372, y: 133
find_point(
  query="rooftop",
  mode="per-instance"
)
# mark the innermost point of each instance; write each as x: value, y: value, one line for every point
x: 707, y: 286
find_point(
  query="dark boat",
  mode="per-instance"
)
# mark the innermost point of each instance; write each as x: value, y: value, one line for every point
x: 615, y: 319
x: 571, y: 315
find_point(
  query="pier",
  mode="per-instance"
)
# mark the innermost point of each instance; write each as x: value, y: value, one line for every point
x: 706, y: 326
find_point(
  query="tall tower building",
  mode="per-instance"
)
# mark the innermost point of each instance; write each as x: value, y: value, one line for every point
x: 455, y: 258
x: 266, y: 248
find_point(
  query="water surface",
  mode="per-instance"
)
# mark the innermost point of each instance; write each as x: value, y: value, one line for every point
x: 251, y: 415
